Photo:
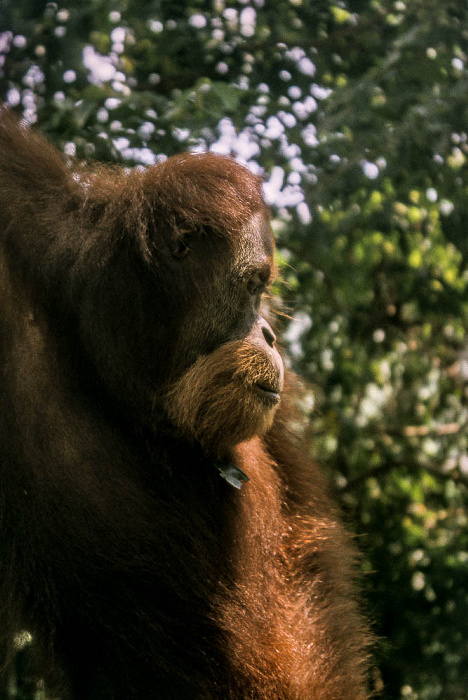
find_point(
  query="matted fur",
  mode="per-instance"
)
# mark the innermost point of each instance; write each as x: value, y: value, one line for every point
x: 214, y: 401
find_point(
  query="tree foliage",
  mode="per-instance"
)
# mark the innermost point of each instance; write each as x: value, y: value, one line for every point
x: 356, y: 113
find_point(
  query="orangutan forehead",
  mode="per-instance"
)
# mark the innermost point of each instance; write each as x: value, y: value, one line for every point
x: 258, y: 231
x: 201, y: 191
x: 256, y: 245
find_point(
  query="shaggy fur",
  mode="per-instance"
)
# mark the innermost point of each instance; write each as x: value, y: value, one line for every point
x: 130, y: 366
x: 215, y: 403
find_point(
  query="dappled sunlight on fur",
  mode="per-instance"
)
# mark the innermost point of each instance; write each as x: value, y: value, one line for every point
x: 137, y: 365
x: 280, y: 622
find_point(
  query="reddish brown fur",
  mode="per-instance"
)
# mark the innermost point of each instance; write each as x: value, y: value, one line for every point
x: 284, y: 618
x: 217, y: 391
x: 139, y: 570
x: 188, y: 193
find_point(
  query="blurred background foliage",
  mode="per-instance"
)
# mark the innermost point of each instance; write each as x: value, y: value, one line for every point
x: 356, y: 114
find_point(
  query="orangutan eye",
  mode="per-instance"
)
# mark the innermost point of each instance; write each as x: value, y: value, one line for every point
x: 258, y: 281
x: 255, y: 287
